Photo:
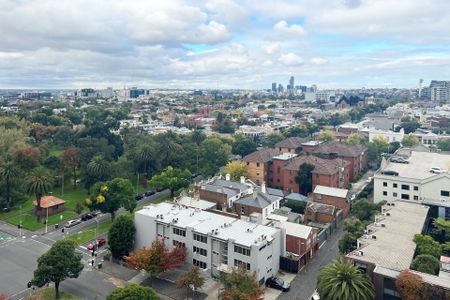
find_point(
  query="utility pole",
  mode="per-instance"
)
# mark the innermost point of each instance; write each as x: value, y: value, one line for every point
x: 46, y: 222
x: 20, y: 222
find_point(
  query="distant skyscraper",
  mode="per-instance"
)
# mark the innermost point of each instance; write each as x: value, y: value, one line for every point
x: 440, y: 90
x: 291, y: 85
x: 274, y: 87
x: 280, y: 88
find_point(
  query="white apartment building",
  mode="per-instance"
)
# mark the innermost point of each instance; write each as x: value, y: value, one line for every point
x: 415, y: 182
x: 215, y: 243
x: 389, y: 135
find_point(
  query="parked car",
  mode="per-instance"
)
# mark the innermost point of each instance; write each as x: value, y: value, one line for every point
x: 148, y: 193
x: 86, y: 216
x: 315, y: 296
x: 436, y: 170
x: 71, y: 223
x: 353, y: 197
x: 278, y: 283
x: 139, y: 196
x: 399, y: 159
x: 369, y: 179
x: 98, y: 244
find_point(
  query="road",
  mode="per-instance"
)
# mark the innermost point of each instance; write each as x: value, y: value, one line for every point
x: 18, y: 260
x: 304, y: 284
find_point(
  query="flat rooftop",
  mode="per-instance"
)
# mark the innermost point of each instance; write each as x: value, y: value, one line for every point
x: 420, y: 164
x: 393, y: 245
x: 285, y: 156
x: 242, y: 232
x: 331, y: 191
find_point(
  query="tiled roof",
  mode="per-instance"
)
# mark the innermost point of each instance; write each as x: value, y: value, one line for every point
x: 340, y: 149
x: 262, y: 156
x: 260, y: 200
x: 49, y: 201
x: 292, y: 142
x: 322, y: 166
x: 321, y: 208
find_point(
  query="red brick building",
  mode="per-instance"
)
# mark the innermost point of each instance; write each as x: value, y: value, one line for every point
x: 328, y: 172
x: 300, y: 240
x: 50, y: 205
x: 290, y: 145
x: 356, y: 155
x: 321, y: 213
x: 333, y: 196
x: 258, y: 164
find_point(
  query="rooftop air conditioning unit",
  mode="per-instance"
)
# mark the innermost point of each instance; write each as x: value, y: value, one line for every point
x: 374, y: 237
x: 359, y: 253
x: 383, y: 225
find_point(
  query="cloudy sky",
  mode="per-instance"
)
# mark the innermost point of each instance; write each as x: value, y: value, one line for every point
x: 222, y: 43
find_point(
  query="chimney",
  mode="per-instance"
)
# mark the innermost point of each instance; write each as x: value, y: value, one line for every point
x: 227, y: 177
x: 255, y: 193
x: 242, y: 179
x: 263, y: 188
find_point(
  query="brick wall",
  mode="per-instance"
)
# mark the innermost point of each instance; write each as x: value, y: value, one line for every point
x: 214, y: 197
x: 336, y: 201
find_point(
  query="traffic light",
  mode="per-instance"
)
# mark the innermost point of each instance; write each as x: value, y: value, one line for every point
x: 29, y: 284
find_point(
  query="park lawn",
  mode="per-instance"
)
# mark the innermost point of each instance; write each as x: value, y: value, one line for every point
x: 88, y: 234
x: 49, y: 294
x: 15, y: 211
x: 29, y: 221
x: 72, y: 196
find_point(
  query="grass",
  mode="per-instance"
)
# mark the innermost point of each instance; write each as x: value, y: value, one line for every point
x: 49, y: 294
x: 15, y: 211
x: 72, y: 196
x: 55, y: 152
x: 29, y: 221
x: 87, y: 235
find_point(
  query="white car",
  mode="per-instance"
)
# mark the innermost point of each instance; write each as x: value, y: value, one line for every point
x: 72, y: 223
x: 436, y: 170
x: 315, y: 296
x: 369, y: 180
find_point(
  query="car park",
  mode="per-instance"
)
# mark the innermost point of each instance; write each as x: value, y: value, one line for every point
x: 71, y: 223
x: 278, y: 283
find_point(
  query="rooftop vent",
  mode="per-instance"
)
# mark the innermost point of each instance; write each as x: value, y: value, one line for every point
x: 374, y: 237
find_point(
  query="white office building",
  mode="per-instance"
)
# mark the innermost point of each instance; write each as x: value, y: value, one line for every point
x: 424, y: 179
x: 215, y: 243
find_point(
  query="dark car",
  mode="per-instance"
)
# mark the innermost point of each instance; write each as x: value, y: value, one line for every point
x: 139, y: 196
x: 390, y: 173
x: 86, y: 216
x: 148, y: 193
x: 278, y: 283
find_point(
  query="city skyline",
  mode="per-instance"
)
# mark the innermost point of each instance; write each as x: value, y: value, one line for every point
x: 222, y: 44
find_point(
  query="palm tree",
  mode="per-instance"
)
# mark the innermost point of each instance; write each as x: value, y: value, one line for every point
x: 38, y: 183
x: 8, y: 172
x: 98, y: 168
x: 145, y: 156
x: 341, y: 280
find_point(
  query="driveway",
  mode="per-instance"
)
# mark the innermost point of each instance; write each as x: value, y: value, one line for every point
x: 304, y: 284
x: 358, y: 186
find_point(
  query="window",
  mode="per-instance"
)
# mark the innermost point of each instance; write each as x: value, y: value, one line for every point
x: 242, y: 250
x: 248, y: 163
x: 416, y: 188
x: 257, y: 164
x: 384, y: 183
x: 405, y: 197
x: 445, y: 193
x: 405, y: 187
x: 269, y: 257
x: 278, y: 169
x: 395, y: 185
x: 200, y: 238
x: 200, y: 264
x: 242, y: 210
x: 238, y: 263
x: 178, y: 244
x: 416, y: 197
x: 290, y: 181
x: 200, y: 251
x: 257, y: 173
x: 179, y: 231
x: 384, y: 193
x: 394, y: 194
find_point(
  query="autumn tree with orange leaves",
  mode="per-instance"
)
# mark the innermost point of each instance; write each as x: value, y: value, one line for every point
x: 156, y: 259
x: 409, y: 285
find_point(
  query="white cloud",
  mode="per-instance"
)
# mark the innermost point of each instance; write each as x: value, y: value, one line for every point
x: 290, y: 59
x: 272, y: 48
x: 228, y: 12
x: 319, y: 61
x: 282, y: 31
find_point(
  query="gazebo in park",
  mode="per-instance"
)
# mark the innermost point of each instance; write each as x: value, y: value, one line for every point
x: 50, y: 204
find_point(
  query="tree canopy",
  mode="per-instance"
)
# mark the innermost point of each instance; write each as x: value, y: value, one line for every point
x: 133, y: 292
x: 426, y: 263
x: 121, y: 236
x: 304, y: 178
x: 236, y: 169
x: 172, y: 179
x: 240, y: 285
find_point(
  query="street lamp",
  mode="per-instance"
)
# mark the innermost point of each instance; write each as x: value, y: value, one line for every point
x: 46, y: 222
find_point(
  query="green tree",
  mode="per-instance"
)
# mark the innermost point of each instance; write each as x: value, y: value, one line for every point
x: 443, y: 229
x: 443, y: 144
x: 304, y: 178
x: 145, y: 156
x: 378, y: 146
x: 342, y: 280
x: 57, y: 264
x: 327, y: 136
x: 9, y: 174
x: 296, y: 206
x: 243, y: 146
x: 347, y: 243
x: 354, y: 226
x: 354, y: 139
x: 198, y: 137
x: 79, y: 207
x: 189, y: 279
x: 427, y: 245
x: 38, y: 183
x: 410, y: 140
x: 409, y: 125
x: 172, y: 179
x: 133, y: 292
x: 109, y: 196
x: 98, y: 168
x: 240, y: 285
x: 271, y: 139
x: 426, y: 263
x: 365, y: 210
x: 236, y: 169
x: 297, y: 131
x: 121, y: 236
x: 213, y: 155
